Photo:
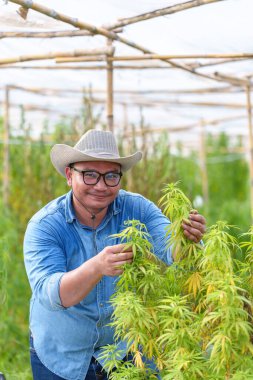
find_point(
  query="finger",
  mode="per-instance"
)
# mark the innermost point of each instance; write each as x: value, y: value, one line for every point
x: 116, y: 272
x: 191, y: 236
x: 118, y: 248
x: 193, y: 232
x: 197, y: 218
x: 193, y: 211
x: 188, y: 224
x: 124, y: 256
x: 121, y: 264
x: 195, y: 225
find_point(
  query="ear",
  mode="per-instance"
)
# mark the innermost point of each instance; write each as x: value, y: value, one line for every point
x: 68, y: 175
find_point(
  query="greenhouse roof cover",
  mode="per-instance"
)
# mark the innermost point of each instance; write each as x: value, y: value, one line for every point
x: 203, y: 89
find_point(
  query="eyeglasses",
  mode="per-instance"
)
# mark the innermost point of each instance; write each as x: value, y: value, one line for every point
x: 92, y: 177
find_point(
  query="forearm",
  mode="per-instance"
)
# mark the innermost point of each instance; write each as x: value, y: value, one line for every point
x: 77, y: 284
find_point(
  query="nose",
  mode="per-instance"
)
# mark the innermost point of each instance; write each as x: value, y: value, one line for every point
x: 101, y: 184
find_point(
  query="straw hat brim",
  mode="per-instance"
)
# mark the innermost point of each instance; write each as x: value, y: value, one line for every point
x: 63, y: 155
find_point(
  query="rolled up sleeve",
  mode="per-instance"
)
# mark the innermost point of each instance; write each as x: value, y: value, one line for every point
x: 45, y: 263
x: 53, y: 291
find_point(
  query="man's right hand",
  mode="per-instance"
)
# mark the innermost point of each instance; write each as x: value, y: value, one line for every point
x: 76, y: 284
x: 111, y: 259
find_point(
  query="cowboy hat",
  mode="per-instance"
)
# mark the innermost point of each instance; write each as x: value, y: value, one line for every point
x: 94, y: 145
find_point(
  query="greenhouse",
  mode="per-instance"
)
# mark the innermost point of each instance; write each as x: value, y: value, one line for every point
x: 170, y: 79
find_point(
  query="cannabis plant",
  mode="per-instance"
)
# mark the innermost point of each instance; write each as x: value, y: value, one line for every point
x: 191, y: 320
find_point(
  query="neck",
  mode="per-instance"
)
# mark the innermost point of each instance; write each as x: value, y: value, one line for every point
x: 87, y: 216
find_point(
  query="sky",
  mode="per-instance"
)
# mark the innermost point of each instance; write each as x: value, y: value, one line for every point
x: 221, y: 27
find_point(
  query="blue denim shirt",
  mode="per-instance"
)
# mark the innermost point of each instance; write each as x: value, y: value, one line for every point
x: 55, y: 242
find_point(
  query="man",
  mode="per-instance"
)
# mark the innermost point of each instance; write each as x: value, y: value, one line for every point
x: 72, y: 262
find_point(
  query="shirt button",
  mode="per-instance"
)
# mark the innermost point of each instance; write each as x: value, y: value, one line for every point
x: 101, y: 304
x: 99, y: 324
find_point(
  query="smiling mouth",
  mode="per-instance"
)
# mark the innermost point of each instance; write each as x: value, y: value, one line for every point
x: 104, y: 196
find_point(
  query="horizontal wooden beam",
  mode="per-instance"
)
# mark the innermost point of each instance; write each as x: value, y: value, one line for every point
x: 86, y: 67
x: 162, y: 12
x: 48, y: 90
x: 49, y: 34
x: 53, y: 55
x: 183, y: 128
x: 180, y: 56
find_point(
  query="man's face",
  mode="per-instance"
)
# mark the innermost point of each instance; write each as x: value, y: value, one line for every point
x: 96, y: 196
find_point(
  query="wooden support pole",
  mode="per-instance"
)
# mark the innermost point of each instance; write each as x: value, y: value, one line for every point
x: 126, y: 129
x: 98, y: 58
x: 181, y: 56
x: 203, y: 167
x: 128, y: 144
x: 55, y: 91
x: 85, y: 67
x: 232, y: 80
x: 249, y: 111
x: 228, y: 57
x: 54, y: 55
x: 49, y: 34
x: 184, y: 128
x: 6, y: 150
x: 162, y: 12
x: 109, y: 100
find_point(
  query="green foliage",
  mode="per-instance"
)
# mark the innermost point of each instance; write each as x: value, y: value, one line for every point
x: 14, y: 303
x: 199, y: 328
x: 228, y: 182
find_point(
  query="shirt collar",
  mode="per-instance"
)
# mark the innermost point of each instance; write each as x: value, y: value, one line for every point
x: 69, y: 209
x: 70, y: 212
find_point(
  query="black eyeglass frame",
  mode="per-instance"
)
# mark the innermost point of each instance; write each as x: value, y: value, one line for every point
x: 99, y: 176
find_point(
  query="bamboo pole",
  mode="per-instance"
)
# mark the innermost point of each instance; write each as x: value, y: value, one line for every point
x: 52, y: 55
x: 49, y: 34
x: 226, y: 89
x: 227, y: 56
x: 106, y: 33
x: 193, y: 65
x: 232, y: 80
x: 162, y: 12
x: 126, y: 128
x: 109, y: 98
x: 33, y: 107
x: 203, y: 166
x: 100, y: 67
x: 183, y: 128
x: 197, y: 65
x: 98, y: 58
x: 180, y: 56
x: 174, y: 102
x: 128, y: 144
x: 249, y: 112
x: 57, y: 91
x: 6, y: 149
x: 93, y: 67
x: 143, y: 137
x: 45, y: 91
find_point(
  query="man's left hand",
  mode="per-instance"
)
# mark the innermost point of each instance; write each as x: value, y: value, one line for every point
x: 196, y: 227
